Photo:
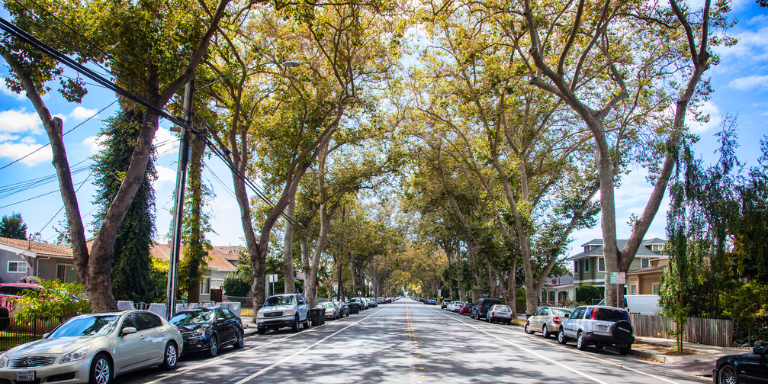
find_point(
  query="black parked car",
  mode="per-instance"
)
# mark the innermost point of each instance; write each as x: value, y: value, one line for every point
x: 483, y: 305
x: 744, y: 368
x: 208, y: 329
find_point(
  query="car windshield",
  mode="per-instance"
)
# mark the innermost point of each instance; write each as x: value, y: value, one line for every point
x: 189, y: 318
x: 279, y: 300
x: 605, y: 314
x: 502, y: 308
x: 86, y: 326
x: 560, y: 312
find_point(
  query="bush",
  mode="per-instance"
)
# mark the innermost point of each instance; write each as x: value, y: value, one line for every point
x: 55, y: 300
x: 586, y: 293
x: 234, y: 285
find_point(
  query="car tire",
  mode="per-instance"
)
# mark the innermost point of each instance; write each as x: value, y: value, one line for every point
x: 625, y: 350
x: 727, y: 375
x: 295, y: 326
x: 213, y: 350
x: 581, y: 344
x: 239, y: 340
x: 101, y: 370
x: 544, y: 332
x: 528, y: 328
x: 170, y: 356
x: 307, y: 324
x: 561, y: 338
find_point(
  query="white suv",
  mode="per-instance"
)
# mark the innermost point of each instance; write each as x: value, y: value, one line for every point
x: 283, y: 311
x: 599, y: 326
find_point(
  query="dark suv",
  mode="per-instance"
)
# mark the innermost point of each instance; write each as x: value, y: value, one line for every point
x: 599, y: 326
x: 482, y: 307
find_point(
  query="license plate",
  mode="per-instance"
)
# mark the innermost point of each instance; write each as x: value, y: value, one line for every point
x: 25, y: 376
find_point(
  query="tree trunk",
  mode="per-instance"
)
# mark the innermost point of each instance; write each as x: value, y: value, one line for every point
x: 325, y: 221
x: 290, y: 285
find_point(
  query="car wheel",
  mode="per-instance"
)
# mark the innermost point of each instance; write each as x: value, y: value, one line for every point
x: 545, y: 332
x: 295, y: 326
x: 581, y: 344
x: 727, y: 375
x: 261, y: 331
x: 307, y: 323
x: 561, y: 338
x: 528, y: 328
x: 239, y: 340
x: 213, y: 350
x: 101, y: 370
x: 171, y: 356
x: 625, y: 350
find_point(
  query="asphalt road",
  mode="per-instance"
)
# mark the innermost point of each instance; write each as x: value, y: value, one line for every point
x: 409, y: 342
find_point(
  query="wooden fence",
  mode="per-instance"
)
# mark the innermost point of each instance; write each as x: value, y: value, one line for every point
x: 718, y: 332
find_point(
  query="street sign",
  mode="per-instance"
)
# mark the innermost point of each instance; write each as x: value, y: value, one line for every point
x: 622, y: 278
x: 614, y: 277
x: 272, y: 278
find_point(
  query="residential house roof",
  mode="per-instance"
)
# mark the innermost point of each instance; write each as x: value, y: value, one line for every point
x: 217, y: 257
x: 39, y: 249
x: 646, y: 270
x: 597, y: 250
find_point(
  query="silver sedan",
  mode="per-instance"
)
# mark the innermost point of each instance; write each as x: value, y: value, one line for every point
x: 94, y: 348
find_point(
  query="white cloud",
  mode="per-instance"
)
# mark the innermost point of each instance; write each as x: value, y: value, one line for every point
x: 749, y: 83
x: 706, y: 108
x: 5, y: 91
x: 17, y: 150
x: 95, y: 143
x: 165, y: 142
x: 18, y: 121
x: 5, y: 137
x: 164, y: 175
x: 81, y: 113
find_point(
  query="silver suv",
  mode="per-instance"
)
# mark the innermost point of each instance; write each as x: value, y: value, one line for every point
x: 599, y: 326
x: 279, y: 311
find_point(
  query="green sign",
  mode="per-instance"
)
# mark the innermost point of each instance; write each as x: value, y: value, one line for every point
x: 614, y: 277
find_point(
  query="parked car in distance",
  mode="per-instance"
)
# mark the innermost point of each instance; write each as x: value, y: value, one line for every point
x: 208, y: 329
x: 466, y: 309
x: 455, y: 305
x: 499, y: 313
x: 742, y: 368
x: 331, y: 310
x: 372, y: 302
x: 343, y: 308
x: 432, y: 302
x: 445, y: 303
x: 600, y: 326
x: 363, y: 304
x: 484, y: 305
x: 286, y: 310
x: 547, y: 320
x: 94, y: 348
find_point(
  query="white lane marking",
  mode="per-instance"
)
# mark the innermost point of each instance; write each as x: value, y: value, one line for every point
x: 528, y: 351
x: 218, y: 359
x: 261, y: 372
x: 572, y: 351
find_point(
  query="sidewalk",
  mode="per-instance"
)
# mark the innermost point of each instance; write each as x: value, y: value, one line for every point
x: 700, y: 364
x: 249, y: 329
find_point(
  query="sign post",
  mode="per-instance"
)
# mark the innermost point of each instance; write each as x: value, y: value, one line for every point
x: 618, y: 278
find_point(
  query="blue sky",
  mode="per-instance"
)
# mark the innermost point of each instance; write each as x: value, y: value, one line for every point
x: 740, y: 83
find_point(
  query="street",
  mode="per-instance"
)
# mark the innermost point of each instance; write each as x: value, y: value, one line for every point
x: 409, y: 342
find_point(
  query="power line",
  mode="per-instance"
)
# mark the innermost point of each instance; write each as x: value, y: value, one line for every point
x: 65, y: 133
x: 23, y: 186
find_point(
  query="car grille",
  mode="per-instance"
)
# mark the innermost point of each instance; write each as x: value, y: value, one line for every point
x: 31, y: 362
x: 273, y: 314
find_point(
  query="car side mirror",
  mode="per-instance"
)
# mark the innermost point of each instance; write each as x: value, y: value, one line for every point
x: 128, y: 330
x: 758, y: 351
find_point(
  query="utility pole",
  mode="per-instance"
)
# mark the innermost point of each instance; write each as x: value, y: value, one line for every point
x: 178, y: 207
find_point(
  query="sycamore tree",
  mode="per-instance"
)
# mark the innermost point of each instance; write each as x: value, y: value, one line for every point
x: 604, y: 60
x: 150, y: 48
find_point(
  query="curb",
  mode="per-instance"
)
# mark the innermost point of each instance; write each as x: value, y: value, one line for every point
x: 650, y: 355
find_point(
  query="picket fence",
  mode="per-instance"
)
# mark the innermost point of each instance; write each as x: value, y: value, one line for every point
x: 717, y: 332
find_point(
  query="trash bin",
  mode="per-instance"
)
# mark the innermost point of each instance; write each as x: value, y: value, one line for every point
x: 354, y: 308
x: 317, y: 315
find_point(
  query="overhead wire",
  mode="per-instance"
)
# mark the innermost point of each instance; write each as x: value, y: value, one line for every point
x: 26, y: 185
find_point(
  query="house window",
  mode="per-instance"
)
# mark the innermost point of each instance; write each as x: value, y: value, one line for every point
x: 17, y: 267
x: 66, y: 273
x: 655, y: 289
x: 576, y: 266
x: 657, y: 247
x: 634, y: 289
x: 205, y: 286
x: 645, y: 263
x: 586, y: 265
x: 601, y: 264
x: 544, y: 296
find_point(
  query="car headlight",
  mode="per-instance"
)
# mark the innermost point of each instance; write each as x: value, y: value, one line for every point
x: 288, y: 313
x: 76, y: 355
x: 202, y: 330
x: 2, y: 360
x: 259, y: 315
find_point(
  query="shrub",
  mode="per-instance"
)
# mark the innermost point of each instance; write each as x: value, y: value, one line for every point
x: 586, y: 293
x: 234, y: 285
x: 55, y: 299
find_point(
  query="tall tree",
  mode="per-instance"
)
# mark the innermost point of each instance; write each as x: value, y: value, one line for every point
x: 131, y: 272
x: 13, y: 226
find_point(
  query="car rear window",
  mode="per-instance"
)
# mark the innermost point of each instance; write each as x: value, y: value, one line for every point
x: 614, y: 315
